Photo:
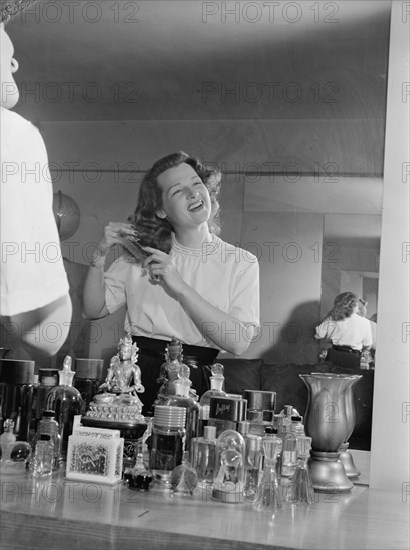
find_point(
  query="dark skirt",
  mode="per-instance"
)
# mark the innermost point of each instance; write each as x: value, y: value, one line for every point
x: 151, y: 356
x: 344, y: 357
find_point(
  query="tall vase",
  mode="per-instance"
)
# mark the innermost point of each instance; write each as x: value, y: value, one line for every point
x: 345, y: 456
x: 329, y: 421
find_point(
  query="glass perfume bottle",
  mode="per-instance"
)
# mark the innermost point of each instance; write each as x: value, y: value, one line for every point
x: 253, y: 460
x: 43, y: 457
x: 48, y: 427
x: 229, y: 481
x: 203, y: 456
x: 285, y: 418
x: 182, y: 399
x: 289, y: 452
x: 268, y: 497
x: 14, y: 454
x: 47, y: 378
x: 140, y: 476
x: 168, y: 434
x: 66, y: 402
x: 184, y: 478
x: 272, y: 433
x: 217, y: 381
x: 301, y: 488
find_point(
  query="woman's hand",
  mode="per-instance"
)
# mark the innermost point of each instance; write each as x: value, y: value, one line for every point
x: 112, y: 234
x: 163, y: 271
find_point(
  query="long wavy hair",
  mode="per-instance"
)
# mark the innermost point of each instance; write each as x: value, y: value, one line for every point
x: 343, y: 306
x: 155, y: 231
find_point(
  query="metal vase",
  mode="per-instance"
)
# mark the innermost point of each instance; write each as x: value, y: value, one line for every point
x: 329, y: 420
x: 345, y: 456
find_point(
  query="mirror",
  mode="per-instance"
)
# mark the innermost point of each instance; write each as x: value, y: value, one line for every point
x: 351, y: 251
x: 288, y: 98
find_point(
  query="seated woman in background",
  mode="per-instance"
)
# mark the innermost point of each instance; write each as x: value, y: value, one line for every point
x: 349, y: 332
x: 190, y: 284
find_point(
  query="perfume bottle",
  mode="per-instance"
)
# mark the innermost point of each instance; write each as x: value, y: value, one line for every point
x: 14, y: 454
x: 203, y: 456
x: 182, y: 399
x: 289, y: 452
x: 253, y: 459
x: 365, y: 359
x: 47, y: 378
x: 229, y: 481
x: 140, y: 476
x: 285, y: 418
x: 43, y: 457
x: 184, y: 478
x: 301, y: 488
x: 167, y: 439
x: 66, y: 402
x: 88, y: 379
x: 217, y: 381
x: 16, y: 395
x: 48, y: 429
x: 268, y: 497
x: 272, y: 433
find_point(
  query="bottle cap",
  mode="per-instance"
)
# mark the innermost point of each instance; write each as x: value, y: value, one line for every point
x: 271, y: 430
x: 66, y: 375
x: 169, y: 416
x: 243, y: 427
x: 89, y: 368
x: 260, y: 400
x: 253, y: 443
x: 16, y: 371
x: 48, y: 377
x: 210, y: 433
x: 48, y: 414
x: 217, y: 370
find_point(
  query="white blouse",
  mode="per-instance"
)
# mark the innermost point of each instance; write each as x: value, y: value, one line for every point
x: 224, y: 275
x: 354, y: 331
x: 32, y: 270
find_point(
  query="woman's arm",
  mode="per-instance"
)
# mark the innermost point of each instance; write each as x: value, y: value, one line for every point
x: 94, y: 306
x: 94, y: 290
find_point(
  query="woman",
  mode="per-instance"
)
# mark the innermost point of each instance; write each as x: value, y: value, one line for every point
x: 191, y: 285
x: 349, y: 332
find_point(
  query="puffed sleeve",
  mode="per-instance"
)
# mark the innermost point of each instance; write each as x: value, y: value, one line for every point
x: 326, y: 329
x: 244, y: 304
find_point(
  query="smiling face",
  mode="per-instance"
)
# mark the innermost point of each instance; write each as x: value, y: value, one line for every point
x: 185, y: 198
x: 9, y: 91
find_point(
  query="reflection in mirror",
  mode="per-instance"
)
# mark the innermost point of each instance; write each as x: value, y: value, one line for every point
x: 231, y: 101
x: 351, y: 249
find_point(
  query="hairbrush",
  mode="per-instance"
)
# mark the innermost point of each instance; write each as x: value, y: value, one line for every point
x: 133, y: 246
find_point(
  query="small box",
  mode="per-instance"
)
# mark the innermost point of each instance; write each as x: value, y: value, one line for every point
x: 95, y: 455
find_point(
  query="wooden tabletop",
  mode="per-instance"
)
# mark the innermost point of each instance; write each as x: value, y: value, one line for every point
x: 55, y: 513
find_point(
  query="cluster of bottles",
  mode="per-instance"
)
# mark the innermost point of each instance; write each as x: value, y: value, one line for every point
x: 54, y: 404
x: 188, y: 444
